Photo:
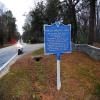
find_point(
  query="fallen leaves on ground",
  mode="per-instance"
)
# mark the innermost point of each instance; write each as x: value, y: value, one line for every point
x: 36, y: 80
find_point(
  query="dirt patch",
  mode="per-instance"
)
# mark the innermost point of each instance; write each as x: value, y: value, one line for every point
x: 29, y: 79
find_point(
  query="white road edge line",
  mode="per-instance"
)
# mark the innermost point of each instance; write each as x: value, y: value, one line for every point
x: 1, y: 68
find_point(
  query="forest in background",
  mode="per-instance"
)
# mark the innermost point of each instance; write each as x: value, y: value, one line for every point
x: 8, y: 30
x: 83, y: 15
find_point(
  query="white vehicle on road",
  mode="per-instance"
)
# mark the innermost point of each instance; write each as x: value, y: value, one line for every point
x: 19, y: 48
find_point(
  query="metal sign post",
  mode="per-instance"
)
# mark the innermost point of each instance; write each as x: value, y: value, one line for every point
x: 57, y: 40
x: 58, y: 73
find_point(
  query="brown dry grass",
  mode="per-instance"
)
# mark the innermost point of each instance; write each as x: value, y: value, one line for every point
x: 32, y: 80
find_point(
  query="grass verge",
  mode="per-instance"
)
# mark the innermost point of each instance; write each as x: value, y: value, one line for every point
x: 29, y: 79
x: 38, y: 52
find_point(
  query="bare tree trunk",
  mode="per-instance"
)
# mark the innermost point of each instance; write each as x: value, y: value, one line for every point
x: 92, y: 22
x: 74, y: 30
x: 73, y: 21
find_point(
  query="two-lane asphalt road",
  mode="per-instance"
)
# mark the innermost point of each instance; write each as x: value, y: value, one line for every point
x: 7, y: 53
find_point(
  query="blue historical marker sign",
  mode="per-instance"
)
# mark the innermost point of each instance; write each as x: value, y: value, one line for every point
x: 57, y: 38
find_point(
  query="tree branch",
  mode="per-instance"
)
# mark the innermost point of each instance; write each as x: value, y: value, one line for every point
x: 75, y: 2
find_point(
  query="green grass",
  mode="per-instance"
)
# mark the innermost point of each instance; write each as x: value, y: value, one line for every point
x: 97, y: 90
x: 18, y: 82
x: 38, y: 52
x: 40, y: 75
x: 40, y: 72
x: 14, y: 84
x: 86, y: 72
x: 33, y: 78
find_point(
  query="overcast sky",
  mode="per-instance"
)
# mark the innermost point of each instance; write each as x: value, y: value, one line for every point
x: 19, y: 8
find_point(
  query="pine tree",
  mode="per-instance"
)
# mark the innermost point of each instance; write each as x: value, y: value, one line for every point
x: 52, y: 11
